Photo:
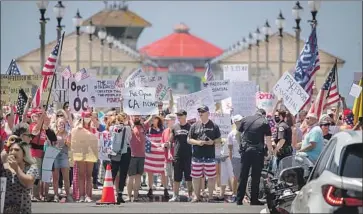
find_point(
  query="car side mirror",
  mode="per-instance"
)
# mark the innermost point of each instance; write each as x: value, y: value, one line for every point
x: 293, y: 176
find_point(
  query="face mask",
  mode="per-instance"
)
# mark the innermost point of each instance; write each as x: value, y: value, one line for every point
x: 137, y: 122
x: 87, y: 120
x: 277, y: 119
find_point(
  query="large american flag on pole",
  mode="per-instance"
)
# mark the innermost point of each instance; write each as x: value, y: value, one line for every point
x: 328, y: 94
x: 208, y: 75
x: 308, y: 64
x: 47, y: 73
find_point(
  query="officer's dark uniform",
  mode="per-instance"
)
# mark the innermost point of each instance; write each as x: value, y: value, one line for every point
x: 284, y: 132
x: 255, y: 129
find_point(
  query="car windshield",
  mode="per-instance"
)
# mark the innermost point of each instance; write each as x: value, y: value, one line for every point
x: 352, y: 161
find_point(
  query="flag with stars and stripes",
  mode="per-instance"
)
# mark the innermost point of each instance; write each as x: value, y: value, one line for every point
x: 81, y: 75
x: 208, y: 75
x: 118, y: 83
x: 308, y: 64
x: 67, y: 73
x: 328, y: 94
x: 13, y: 68
x: 147, y: 145
x: 48, y: 72
x: 20, y: 106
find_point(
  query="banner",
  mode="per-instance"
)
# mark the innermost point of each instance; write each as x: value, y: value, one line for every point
x: 10, y: 86
x: 293, y: 95
x: 104, y: 94
x: 139, y: 101
x: 221, y: 89
x: 266, y: 101
x: 243, y: 98
x: 236, y: 72
x: 192, y: 102
x: 78, y: 95
x: 224, y: 123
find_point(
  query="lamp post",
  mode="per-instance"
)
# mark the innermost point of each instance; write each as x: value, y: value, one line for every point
x: 77, y: 21
x: 257, y: 37
x: 266, y: 30
x: 102, y: 35
x: 314, y: 8
x: 42, y: 5
x: 250, y: 41
x: 110, y: 42
x: 296, y: 10
x: 280, y: 22
x: 59, y: 11
x: 90, y: 29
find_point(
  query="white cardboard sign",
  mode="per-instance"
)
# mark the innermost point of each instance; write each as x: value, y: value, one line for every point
x: 221, y: 89
x: 355, y: 90
x: 140, y: 101
x: 293, y: 95
x: 243, y: 98
x: 224, y: 123
x: 236, y: 72
x: 266, y: 101
x: 104, y: 94
x: 78, y: 95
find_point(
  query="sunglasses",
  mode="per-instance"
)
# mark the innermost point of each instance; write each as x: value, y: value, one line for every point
x: 327, y: 124
x: 201, y: 112
x: 60, y: 115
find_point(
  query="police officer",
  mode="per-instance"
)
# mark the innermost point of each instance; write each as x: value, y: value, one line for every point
x: 254, y: 131
x: 284, y: 136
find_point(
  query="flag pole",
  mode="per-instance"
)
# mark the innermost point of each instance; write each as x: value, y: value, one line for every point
x: 337, y: 80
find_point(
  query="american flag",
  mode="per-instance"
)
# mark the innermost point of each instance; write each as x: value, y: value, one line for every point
x: 13, y: 68
x: 47, y: 72
x: 208, y: 75
x: 81, y: 75
x: 20, y: 106
x: 327, y: 95
x: 154, y: 153
x: 118, y: 83
x: 67, y: 73
x: 308, y: 64
x: 348, y: 117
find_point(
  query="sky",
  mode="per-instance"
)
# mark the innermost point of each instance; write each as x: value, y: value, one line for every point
x: 219, y: 22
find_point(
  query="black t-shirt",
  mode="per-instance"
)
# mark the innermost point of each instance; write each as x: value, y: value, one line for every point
x: 284, y: 132
x: 200, y: 131
x: 182, y: 148
x: 256, y: 127
x: 327, y: 136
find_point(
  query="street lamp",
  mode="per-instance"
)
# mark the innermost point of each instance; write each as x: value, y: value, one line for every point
x: 257, y: 35
x: 244, y: 43
x: 250, y: 42
x: 280, y: 22
x: 102, y: 36
x: 314, y: 8
x: 110, y: 40
x: 42, y: 6
x: 90, y: 30
x: 77, y: 21
x: 296, y: 10
x: 266, y: 30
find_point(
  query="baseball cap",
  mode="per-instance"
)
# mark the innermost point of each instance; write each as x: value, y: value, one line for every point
x: 181, y: 112
x: 203, y: 108
x: 237, y: 118
x: 312, y: 115
x: 324, y: 119
x: 170, y: 117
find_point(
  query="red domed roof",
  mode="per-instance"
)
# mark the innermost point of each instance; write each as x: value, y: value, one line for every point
x: 181, y: 44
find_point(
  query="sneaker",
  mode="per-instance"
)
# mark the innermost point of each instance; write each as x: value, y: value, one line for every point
x: 56, y: 199
x: 175, y: 199
x: 143, y: 185
x: 233, y: 199
x: 120, y: 199
x: 88, y: 200
x: 166, y: 193
x: 81, y: 199
x: 190, y: 198
x: 150, y: 193
x: 95, y: 186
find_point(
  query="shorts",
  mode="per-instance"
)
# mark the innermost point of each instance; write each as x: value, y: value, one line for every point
x: 218, y: 160
x: 136, y: 166
x: 236, y: 165
x: 61, y: 161
x: 182, y: 166
x: 203, y: 166
x: 168, y: 168
x: 39, y: 163
x: 226, y: 171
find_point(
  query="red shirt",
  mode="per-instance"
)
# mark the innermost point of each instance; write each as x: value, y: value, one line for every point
x: 37, y: 149
x: 138, y: 140
x: 165, y: 138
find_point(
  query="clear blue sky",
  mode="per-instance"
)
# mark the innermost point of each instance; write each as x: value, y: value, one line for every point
x: 220, y: 22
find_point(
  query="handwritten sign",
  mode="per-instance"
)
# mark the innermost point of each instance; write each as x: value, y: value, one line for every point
x: 192, y: 102
x: 236, y: 72
x: 140, y: 101
x: 147, y: 81
x: 355, y: 90
x: 104, y: 94
x: 49, y: 156
x: 78, y: 95
x: 266, y: 101
x: 104, y: 145
x: 293, y: 95
x: 220, y: 89
x: 137, y: 73
x: 243, y: 98
x: 224, y: 123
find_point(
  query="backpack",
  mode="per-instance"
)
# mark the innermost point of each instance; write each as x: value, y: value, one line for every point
x: 117, y: 142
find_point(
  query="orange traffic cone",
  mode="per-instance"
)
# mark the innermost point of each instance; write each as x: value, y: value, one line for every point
x: 108, y: 193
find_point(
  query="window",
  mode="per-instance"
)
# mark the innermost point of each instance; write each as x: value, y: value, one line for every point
x: 323, y: 159
x: 352, y: 161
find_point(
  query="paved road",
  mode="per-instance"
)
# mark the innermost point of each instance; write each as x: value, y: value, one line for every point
x: 155, y: 207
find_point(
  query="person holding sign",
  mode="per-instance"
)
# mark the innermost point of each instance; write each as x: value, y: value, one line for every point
x: 203, y: 136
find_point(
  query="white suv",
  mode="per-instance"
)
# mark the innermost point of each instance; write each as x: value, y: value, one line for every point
x: 335, y: 183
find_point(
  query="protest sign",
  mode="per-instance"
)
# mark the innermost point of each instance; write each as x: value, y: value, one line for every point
x: 137, y: 73
x: 191, y: 102
x: 355, y: 90
x: 266, y: 101
x: 293, y: 95
x: 49, y: 156
x: 104, y: 146
x: 103, y: 93
x: 236, y: 72
x: 224, y: 123
x: 243, y: 98
x: 220, y: 89
x: 2, y: 193
x: 139, y: 101
x: 78, y: 95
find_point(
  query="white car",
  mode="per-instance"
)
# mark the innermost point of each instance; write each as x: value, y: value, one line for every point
x: 335, y: 183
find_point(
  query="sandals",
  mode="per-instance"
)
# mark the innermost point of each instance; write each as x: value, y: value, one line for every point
x: 34, y: 199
